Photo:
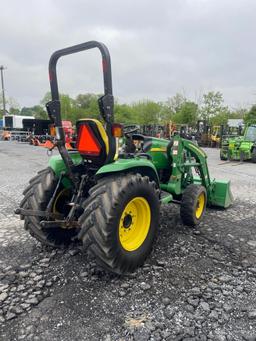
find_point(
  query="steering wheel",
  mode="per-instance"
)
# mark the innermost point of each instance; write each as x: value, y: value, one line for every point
x: 131, y: 131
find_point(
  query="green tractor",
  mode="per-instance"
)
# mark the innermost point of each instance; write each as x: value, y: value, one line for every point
x: 240, y: 147
x: 108, y: 198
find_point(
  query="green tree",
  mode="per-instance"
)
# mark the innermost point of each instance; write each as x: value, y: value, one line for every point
x: 220, y: 118
x: 66, y: 105
x: 250, y: 117
x: 83, y: 106
x: 36, y: 111
x: 26, y: 111
x: 14, y: 111
x: 85, y: 100
x: 187, y: 114
x: 175, y: 103
x: 239, y: 113
x: 213, y: 104
x: 146, y: 112
x: 225, y: 115
x: 39, y: 112
x: 165, y: 114
x: 124, y: 114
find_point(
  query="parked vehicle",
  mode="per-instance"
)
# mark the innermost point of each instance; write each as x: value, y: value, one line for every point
x: 14, y: 121
x: 110, y: 201
x: 240, y: 147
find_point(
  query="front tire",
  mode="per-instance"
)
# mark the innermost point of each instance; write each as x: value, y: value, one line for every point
x: 254, y: 155
x: 193, y: 205
x: 120, y: 221
x: 36, y: 197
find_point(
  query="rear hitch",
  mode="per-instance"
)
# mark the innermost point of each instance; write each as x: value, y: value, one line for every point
x: 60, y: 223
x: 36, y: 213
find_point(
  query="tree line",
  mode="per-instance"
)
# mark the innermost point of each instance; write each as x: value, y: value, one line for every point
x: 177, y: 109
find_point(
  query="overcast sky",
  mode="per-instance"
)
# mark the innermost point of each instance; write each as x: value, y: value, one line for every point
x: 158, y: 47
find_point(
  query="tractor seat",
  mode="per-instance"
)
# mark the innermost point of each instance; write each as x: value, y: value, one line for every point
x: 147, y: 141
x: 92, y: 141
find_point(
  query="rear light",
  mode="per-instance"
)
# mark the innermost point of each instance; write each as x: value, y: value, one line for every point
x: 87, y: 142
x: 117, y: 130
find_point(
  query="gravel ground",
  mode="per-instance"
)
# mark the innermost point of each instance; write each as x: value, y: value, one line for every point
x: 196, y: 285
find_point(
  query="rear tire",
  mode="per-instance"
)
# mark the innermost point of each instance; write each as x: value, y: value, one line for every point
x: 254, y: 155
x: 120, y: 221
x: 36, y: 197
x: 193, y: 205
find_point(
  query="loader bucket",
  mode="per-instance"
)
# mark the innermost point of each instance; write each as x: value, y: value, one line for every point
x: 221, y: 195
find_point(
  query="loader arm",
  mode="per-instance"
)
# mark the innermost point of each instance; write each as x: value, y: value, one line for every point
x: 185, y: 156
x: 200, y: 160
x: 189, y: 165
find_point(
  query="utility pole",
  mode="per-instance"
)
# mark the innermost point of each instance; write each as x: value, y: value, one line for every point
x: 2, y: 81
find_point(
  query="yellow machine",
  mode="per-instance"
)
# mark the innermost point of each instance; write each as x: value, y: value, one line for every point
x: 215, y: 136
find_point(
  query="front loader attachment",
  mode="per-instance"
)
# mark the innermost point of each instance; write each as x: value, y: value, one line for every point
x: 218, y: 191
x: 220, y: 194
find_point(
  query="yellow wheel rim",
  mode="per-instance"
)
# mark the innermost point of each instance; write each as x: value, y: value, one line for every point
x: 200, y: 205
x: 134, y: 224
x: 59, y: 202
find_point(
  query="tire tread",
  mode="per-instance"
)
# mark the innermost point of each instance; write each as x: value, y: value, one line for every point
x: 99, y: 216
x: 188, y: 202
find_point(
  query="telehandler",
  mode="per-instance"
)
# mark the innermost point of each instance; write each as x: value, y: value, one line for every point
x: 109, y: 201
x: 240, y: 148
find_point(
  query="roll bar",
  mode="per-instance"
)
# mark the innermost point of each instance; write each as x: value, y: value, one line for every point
x: 106, y: 102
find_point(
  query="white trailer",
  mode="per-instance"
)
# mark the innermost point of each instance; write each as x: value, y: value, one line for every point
x: 235, y: 122
x: 14, y: 121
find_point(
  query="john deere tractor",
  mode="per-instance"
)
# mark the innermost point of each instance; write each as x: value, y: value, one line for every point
x: 240, y: 147
x: 109, y: 201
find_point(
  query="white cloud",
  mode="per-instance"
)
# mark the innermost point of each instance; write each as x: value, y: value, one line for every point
x: 157, y: 47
